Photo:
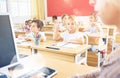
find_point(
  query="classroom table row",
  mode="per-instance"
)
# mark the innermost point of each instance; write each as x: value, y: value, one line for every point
x: 48, y: 48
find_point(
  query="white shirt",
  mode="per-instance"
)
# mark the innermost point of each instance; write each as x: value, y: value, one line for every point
x: 67, y: 36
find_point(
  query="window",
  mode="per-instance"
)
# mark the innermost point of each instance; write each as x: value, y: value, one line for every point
x: 3, y: 6
x: 19, y: 7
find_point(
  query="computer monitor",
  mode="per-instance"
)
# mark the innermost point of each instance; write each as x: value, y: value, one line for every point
x: 8, y: 53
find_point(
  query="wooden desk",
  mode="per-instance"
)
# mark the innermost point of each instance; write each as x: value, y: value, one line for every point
x: 117, y: 39
x: 49, y: 35
x: 67, y: 54
x: 19, y: 33
x: 48, y: 28
x: 93, y: 39
x: 24, y: 45
x: 94, y: 58
x: 64, y: 69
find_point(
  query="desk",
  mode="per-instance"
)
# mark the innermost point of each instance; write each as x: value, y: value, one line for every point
x: 93, y: 39
x: 48, y: 28
x: 67, y: 54
x: 64, y: 69
x: 49, y: 35
x: 117, y: 39
x: 19, y: 33
x: 24, y: 48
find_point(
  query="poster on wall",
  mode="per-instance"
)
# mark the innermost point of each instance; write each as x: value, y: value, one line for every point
x: 70, y: 7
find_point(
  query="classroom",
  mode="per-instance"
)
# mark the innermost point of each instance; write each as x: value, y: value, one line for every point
x: 59, y: 39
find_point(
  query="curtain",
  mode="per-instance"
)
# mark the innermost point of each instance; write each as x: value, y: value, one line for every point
x: 38, y: 9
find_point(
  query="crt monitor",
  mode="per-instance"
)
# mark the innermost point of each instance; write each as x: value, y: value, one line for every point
x: 8, y: 54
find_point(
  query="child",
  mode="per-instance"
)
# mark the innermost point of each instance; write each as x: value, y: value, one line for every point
x: 36, y: 27
x: 54, y: 18
x: 71, y: 35
x: 95, y: 29
x: 62, y: 27
x: 27, y: 25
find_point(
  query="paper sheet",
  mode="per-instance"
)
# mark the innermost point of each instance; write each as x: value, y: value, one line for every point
x: 67, y: 45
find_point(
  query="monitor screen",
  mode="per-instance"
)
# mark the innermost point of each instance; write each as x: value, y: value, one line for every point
x: 8, y: 54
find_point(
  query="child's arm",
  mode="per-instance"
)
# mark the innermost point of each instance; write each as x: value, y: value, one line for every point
x: 79, y: 40
x: 56, y: 33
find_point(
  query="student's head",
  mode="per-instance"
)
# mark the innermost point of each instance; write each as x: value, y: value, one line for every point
x: 71, y: 24
x: 54, y: 18
x: 26, y: 22
x: 36, y: 25
x: 64, y: 18
x: 93, y: 17
x: 108, y: 10
x: 29, y: 22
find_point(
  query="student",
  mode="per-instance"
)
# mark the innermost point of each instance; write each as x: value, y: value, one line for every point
x: 94, y: 26
x: 54, y: 18
x: 27, y: 25
x: 62, y: 26
x: 109, y: 12
x: 71, y: 35
x: 36, y: 27
x: 95, y: 29
x: 64, y: 19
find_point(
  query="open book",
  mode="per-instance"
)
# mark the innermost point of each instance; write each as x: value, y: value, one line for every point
x: 67, y: 45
